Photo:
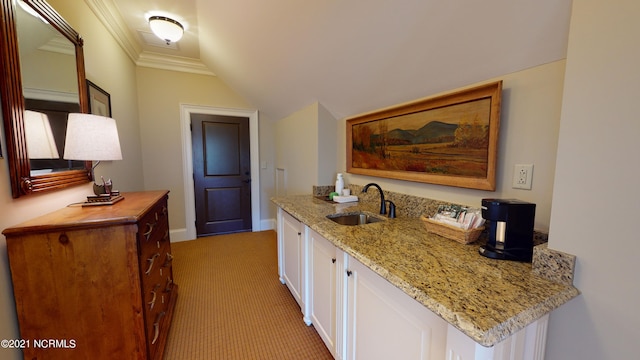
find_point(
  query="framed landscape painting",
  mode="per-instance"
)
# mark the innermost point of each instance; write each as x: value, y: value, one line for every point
x: 447, y: 140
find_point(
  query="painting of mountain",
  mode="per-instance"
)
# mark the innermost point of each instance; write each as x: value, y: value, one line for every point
x: 433, y: 131
x: 454, y: 140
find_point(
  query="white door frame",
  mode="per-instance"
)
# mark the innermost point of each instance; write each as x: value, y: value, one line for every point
x: 187, y: 162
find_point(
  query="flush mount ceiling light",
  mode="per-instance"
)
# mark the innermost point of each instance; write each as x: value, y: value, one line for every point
x: 166, y: 28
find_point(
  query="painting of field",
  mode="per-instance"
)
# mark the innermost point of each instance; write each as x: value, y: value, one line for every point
x: 426, y: 158
x: 452, y: 140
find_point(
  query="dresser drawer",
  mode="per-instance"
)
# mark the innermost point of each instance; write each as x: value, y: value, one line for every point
x: 156, y: 302
x: 153, y: 241
x: 152, y: 224
x: 58, y: 260
x: 158, y: 289
x: 153, y: 252
x: 159, y: 274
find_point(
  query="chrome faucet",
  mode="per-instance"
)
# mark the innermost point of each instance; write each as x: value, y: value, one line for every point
x: 383, y: 205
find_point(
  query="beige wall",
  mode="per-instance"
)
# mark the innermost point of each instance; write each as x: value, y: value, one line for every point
x: 297, y: 150
x: 596, y: 198
x: 306, y: 149
x: 160, y: 94
x: 531, y: 104
x: 36, y: 74
x: 109, y: 67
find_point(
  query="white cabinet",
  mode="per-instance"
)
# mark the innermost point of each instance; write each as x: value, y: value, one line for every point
x: 384, y: 323
x: 361, y: 316
x: 291, y: 254
x: 326, y: 264
x: 527, y: 344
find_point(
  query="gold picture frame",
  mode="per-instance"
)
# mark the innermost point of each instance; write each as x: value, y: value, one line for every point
x: 450, y: 139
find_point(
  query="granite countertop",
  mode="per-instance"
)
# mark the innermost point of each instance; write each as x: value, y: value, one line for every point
x: 487, y: 299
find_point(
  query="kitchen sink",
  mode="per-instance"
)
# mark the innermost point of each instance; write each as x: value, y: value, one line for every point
x: 352, y: 219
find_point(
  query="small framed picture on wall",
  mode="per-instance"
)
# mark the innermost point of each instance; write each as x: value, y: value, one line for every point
x: 99, y: 100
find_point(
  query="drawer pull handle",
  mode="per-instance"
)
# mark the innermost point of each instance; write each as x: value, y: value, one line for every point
x: 168, y: 260
x: 151, y: 260
x: 156, y: 328
x: 147, y: 234
x: 349, y: 273
x: 169, y: 286
x: 153, y: 300
x: 333, y: 260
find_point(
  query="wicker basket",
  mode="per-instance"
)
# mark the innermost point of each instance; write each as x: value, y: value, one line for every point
x: 451, y: 232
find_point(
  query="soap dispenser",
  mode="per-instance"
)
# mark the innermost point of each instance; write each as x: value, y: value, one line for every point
x: 339, y: 184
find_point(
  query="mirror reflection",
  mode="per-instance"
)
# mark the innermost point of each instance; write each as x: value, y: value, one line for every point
x: 50, y: 88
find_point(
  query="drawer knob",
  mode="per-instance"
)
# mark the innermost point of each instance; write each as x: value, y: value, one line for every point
x: 151, y: 260
x: 63, y: 239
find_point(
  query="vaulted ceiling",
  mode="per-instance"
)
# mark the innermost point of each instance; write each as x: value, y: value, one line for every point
x: 352, y: 56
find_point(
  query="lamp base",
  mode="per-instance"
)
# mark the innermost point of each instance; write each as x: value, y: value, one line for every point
x: 104, y: 199
x: 105, y: 188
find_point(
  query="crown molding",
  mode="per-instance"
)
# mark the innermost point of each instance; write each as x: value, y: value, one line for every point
x: 175, y: 63
x: 108, y: 14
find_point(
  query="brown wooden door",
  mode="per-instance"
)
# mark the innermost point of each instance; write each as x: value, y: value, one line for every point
x: 222, y: 173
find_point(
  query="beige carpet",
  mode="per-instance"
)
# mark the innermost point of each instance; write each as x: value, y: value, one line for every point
x: 231, y: 304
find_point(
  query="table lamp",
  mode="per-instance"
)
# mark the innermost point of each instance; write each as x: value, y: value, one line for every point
x: 94, y: 138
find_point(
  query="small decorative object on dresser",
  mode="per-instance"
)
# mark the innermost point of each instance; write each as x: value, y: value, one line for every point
x: 98, y: 279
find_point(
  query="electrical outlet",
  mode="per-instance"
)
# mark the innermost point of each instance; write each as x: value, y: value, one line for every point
x: 522, y: 176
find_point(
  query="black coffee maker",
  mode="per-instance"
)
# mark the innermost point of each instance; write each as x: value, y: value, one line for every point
x: 510, y: 225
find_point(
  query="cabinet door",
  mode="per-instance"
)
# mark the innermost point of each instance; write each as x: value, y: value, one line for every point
x: 292, y: 252
x: 526, y: 344
x: 385, y: 323
x: 322, y: 288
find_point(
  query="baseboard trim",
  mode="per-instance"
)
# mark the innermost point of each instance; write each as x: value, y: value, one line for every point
x: 178, y: 235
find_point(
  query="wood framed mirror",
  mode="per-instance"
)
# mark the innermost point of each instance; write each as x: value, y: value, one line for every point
x: 24, y: 179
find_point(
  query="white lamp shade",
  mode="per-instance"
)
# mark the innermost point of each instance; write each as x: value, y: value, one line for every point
x: 166, y: 29
x: 91, y: 137
x: 40, y: 141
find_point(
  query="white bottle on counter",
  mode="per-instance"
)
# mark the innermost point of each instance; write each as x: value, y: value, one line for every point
x: 339, y: 184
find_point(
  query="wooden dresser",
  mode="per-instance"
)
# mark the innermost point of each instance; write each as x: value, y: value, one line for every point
x: 95, y: 282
